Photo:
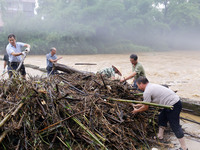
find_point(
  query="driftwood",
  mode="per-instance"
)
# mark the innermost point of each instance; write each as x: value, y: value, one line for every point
x: 85, y: 64
x: 193, y: 121
x: 67, y: 69
x: 191, y: 106
x: 35, y: 67
x: 68, y: 111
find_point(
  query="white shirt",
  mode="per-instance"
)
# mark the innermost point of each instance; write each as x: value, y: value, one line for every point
x: 155, y: 93
x: 10, y: 49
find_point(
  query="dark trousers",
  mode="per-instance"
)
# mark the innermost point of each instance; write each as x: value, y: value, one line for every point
x: 13, y: 66
x: 173, y: 116
x: 135, y: 84
x: 50, y: 70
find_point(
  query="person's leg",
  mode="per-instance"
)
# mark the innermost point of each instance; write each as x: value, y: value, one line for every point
x: 23, y: 71
x: 135, y: 84
x: 12, y: 69
x: 182, y: 143
x: 162, y: 122
x: 174, y: 121
x: 160, y: 134
x: 55, y: 71
x: 10, y: 73
x: 49, y: 70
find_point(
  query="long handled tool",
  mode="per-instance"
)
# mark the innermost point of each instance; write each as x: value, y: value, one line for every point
x: 22, y: 61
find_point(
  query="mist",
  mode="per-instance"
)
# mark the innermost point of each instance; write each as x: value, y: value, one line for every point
x: 105, y: 26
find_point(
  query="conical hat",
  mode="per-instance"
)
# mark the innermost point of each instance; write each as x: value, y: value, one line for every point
x: 119, y: 72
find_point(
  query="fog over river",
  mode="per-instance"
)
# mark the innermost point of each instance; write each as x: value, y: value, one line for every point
x: 179, y: 69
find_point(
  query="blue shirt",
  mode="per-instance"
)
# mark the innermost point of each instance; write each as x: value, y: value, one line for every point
x: 10, y: 49
x: 49, y: 56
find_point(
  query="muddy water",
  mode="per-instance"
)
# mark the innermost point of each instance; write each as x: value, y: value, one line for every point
x: 179, y: 69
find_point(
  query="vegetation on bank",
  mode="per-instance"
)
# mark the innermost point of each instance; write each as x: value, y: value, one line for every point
x: 106, y: 26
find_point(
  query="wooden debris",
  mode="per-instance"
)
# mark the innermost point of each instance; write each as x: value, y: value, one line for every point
x: 68, y: 111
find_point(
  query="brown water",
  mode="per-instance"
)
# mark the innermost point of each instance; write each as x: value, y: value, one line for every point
x: 180, y: 70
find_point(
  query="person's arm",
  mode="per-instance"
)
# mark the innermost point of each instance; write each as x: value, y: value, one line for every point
x: 140, y: 109
x: 55, y: 60
x: 27, y: 46
x: 4, y: 65
x: 129, y: 77
x: 5, y: 59
x: 16, y: 54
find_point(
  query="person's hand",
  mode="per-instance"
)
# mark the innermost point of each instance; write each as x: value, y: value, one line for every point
x: 113, y: 78
x: 122, y: 80
x: 59, y: 58
x: 135, y: 110
x: 27, y: 49
x: 24, y: 52
x: 136, y: 105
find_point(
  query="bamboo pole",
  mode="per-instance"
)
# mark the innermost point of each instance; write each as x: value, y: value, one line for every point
x: 140, y: 102
x: 67, y: 146
x: 138, y: 94
x: 4, y: 120
x: 10, y: 115
x: 87, y: 130
x: 17, y: 109
x: 3, y: 135
x: 61, y: 121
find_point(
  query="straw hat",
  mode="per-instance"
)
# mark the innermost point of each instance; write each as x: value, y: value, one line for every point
x: 118, y: 70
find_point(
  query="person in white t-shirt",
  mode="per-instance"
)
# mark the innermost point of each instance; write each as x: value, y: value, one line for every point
x: 159, y: 94
x: 14, y: 51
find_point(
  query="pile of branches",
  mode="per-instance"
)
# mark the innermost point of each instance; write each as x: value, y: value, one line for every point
x: 71, y: 111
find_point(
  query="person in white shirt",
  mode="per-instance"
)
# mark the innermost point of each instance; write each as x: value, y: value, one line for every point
x: 159, y: 94
x: 14, y: 51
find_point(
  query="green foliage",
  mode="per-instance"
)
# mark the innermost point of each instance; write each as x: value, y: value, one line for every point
x: 128, y: 47
x: 105, y: 26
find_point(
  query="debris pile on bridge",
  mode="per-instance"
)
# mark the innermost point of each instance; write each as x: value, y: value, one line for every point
x: 71, y: 111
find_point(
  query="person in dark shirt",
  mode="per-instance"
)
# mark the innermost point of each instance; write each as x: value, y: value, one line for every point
x: 6, y: 62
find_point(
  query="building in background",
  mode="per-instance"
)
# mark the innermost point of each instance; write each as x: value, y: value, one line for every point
x: 14, y: 7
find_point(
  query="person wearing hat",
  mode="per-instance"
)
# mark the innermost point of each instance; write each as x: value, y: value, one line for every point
x: 137, y: 70
x: 110, y: 72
